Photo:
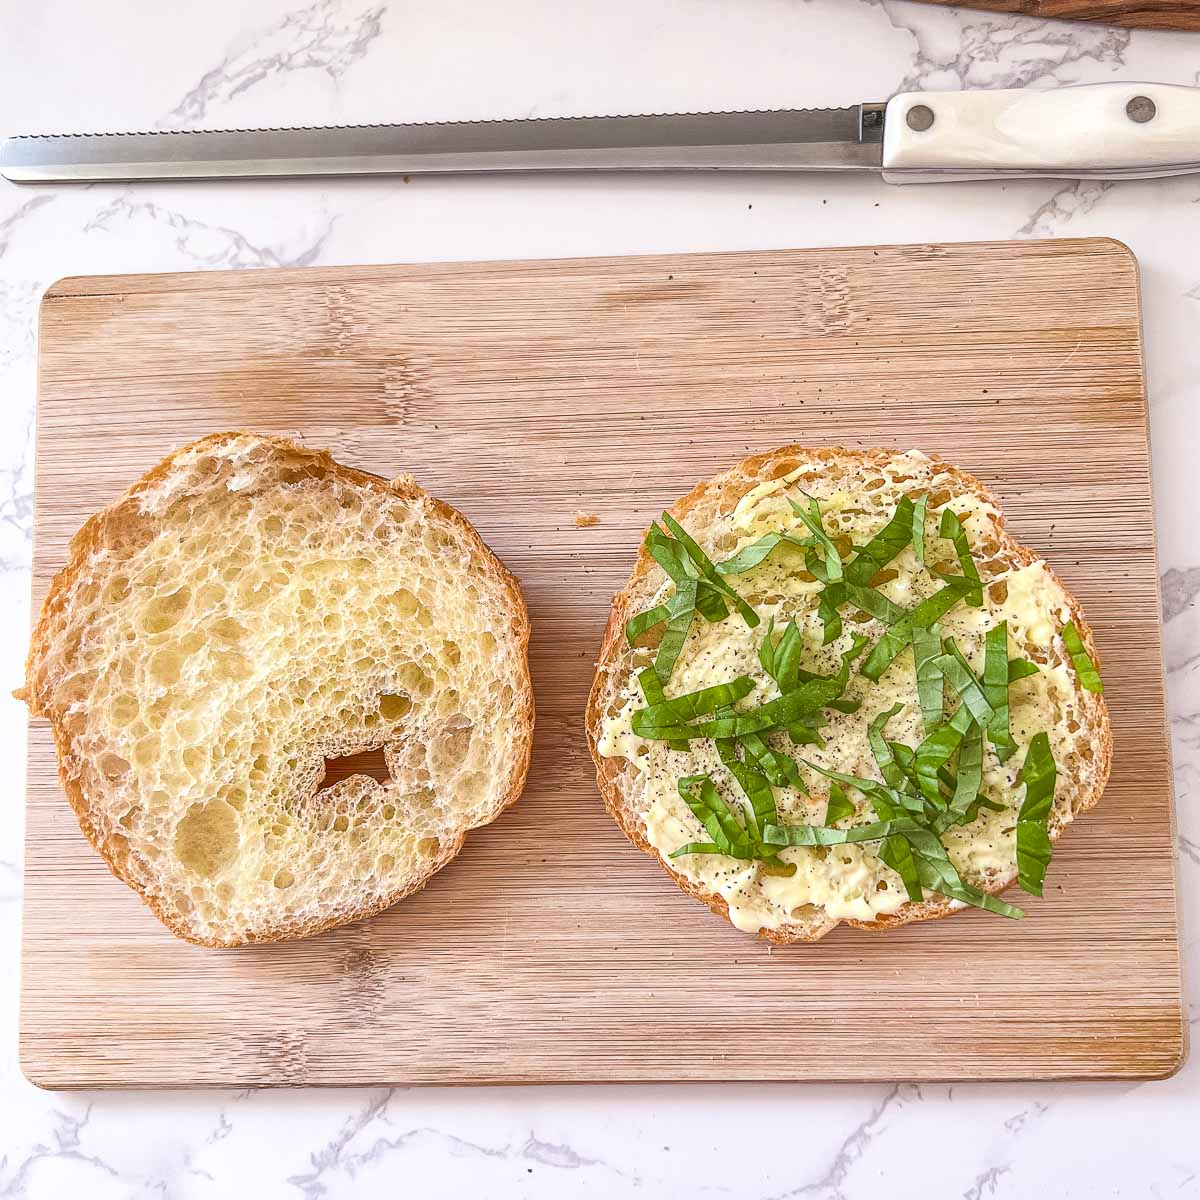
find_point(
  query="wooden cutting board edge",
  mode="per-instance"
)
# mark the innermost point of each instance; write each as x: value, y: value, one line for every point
x: 74, y: 287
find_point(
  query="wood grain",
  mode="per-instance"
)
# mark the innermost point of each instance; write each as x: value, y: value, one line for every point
x: 522, y: 393
x: 1136, y: 14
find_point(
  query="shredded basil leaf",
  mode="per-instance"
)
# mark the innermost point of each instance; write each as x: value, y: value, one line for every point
x: 652, y: 691
x: 691, y: 705
x: 780, y: 713
x: 677, y: 629
x: 936, y: 750
x: 995, y: 688
x: 750, y: 556
x: 672, y: 557
x: 779, y: 768
x: 897, y: 853
x: 889, y: 768
x: 927, y: 613
x: 811, y: 517
x: 872, y: 602
x: 822, y: 835
x: 787, y: 658
x: 839, y: 806
x: 938, y: 873
x: 804, y: 735
x: 964, y: 681
x: 1081, y: 660
x: 918, y: 527
x: 755, y: 786
x: 675, y: 562
x: 952, y: 528
x: 886, y: 801
x: 1038, y: 773
x: 706, y: 568
x: 969, y: 768
x: 830, y: 618
x: 636, y: 626
x: 931, y: 690
x: 883, y: 547
x: 728, y: 834
x: 1019, y: 668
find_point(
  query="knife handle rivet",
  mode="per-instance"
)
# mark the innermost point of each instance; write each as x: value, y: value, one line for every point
x: 920, y: 117
x: 1141, y: 109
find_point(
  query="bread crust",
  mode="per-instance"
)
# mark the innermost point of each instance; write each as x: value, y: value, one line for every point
x: 724, y: 491
x: 115, y: 521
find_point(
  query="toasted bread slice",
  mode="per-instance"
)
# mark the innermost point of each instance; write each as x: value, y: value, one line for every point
x: 246, y: 611
x: 857, y: 491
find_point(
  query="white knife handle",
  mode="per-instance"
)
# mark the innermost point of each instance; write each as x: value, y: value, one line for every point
x: 1093, y: 131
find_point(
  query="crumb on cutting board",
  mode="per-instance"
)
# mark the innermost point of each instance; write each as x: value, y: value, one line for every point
x: 584, y: 519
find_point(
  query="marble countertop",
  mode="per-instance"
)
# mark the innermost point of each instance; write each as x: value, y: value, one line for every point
x: 70, y: 65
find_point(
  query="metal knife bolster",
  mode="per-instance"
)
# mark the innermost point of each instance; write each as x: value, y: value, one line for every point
x: 845, y: 139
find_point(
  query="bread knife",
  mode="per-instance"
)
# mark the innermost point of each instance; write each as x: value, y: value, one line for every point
x: 1090, y: 131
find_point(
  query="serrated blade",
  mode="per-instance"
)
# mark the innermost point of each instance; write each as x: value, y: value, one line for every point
x: 834, y: 139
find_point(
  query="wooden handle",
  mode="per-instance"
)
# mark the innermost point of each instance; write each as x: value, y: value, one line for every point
x: 1137, y: 14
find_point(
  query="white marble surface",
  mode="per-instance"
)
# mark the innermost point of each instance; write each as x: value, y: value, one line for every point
x: 73, y: 65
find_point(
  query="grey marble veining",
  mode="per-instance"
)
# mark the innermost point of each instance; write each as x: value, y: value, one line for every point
x: 327, y: 36
x: 67, y: 66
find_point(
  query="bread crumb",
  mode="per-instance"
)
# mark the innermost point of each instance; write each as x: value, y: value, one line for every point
x: 583, y: 520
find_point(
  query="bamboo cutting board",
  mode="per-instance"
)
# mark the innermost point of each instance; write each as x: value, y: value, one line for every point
x: 521, y: 393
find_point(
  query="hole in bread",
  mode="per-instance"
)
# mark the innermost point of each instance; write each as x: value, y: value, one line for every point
x: 166, y: 666
x: 229, y: 630
x: 284, y: 879
x: 165, y: 611
x: 407, y: 605
x: 415, y: 680
x: 393, y: 707
x: 428, y: 846
x: 207, y: 837
x: 117, y: 590
x: 369, y: 763
x: 113, y: 767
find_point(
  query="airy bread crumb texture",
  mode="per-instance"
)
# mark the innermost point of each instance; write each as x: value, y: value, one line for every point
x: 249, y: 610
